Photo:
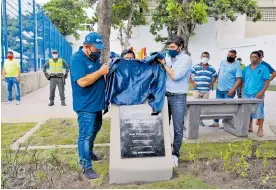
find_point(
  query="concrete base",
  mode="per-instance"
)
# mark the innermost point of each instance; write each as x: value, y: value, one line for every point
x: 149, y: 169
x: 29, y: 82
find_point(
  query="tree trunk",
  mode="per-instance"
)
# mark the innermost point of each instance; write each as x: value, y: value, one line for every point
x: 129, y: 27
x: 120, y: 36
x: 104, y: 13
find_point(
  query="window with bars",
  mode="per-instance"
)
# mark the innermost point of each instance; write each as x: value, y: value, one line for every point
x: 269, y: 15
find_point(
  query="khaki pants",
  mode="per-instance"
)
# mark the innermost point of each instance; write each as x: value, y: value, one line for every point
x: 200, y: 95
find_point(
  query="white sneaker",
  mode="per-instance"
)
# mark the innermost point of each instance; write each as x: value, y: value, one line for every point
x: 18, y: 102
x: 175, y: 161
x: 7, y: 102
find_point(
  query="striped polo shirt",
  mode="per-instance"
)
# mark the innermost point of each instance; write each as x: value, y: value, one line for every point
x: 203, y: 77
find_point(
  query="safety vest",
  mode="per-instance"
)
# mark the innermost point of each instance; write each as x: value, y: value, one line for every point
x: 56, y: 67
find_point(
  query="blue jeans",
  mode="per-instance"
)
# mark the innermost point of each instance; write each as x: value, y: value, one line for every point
x: 12, y: 82
x: 223, y: 95
x: 89, y: 126
x: 177, y: 109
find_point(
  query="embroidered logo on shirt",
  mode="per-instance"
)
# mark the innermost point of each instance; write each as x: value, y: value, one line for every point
x: 90, y: 66
x: 259, y: 72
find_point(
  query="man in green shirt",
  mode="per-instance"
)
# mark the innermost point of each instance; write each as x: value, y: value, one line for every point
x: 239, y: 89
x: 11, y: 75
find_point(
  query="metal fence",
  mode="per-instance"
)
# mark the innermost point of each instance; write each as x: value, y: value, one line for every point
x: 30, y: 34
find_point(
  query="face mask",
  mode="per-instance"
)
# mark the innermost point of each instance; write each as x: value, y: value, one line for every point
x: 204, y: 60
x: 55, y: 56
x: 10, y: 56
x: 230, y: 59
x: 95, y: 55
x: 173, y: 53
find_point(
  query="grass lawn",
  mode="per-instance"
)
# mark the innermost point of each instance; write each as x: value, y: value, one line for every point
x: 11, y: 132
x: 58, y: 168
x: 64, y: 132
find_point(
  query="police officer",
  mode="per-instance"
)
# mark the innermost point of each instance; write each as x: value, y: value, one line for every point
x: 56, y: 76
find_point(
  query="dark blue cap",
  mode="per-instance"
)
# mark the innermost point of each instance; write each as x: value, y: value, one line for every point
x: 95, y: 39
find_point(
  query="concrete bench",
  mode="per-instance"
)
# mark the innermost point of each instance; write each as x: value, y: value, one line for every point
x: 235, y: 113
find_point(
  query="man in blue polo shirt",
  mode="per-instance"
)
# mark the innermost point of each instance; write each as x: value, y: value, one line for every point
x: 229, y: 79
x: 256, y: 80
x: 271, y: 71
x: 88, y: 87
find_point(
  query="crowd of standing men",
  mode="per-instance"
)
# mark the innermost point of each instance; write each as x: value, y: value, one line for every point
x: 88, y: 87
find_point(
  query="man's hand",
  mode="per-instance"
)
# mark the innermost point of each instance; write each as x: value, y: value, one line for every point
x: 231, y: 93
x: 47, y: 76
x: 194, y: 84
x: 18, y: 79
x: 210, y: 85
x: 3, y: 78
x: 162, y: 61
x: 104, y: 69
x: 260, y: 95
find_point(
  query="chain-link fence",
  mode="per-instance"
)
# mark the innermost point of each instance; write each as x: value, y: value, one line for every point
x: 30, y: 34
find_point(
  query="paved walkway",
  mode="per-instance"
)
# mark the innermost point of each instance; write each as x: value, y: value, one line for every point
x: 34, y: 108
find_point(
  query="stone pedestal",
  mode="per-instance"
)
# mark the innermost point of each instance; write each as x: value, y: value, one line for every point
x: 140, y: 145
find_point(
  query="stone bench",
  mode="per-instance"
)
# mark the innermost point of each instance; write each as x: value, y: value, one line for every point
x: 234, y: 112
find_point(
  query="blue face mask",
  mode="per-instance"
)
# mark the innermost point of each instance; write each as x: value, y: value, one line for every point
x: 95, y: 55
x: 173, y: 53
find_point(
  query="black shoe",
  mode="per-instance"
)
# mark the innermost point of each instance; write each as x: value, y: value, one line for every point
x: 90, y: 173
x: 95, y: 158
x: 51, y: 103
x: 63, y: 104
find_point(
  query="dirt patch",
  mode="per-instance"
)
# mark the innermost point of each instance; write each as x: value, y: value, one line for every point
x: 212, y: 173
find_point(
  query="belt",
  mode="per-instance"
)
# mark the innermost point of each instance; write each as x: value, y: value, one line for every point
x: 174, y: 94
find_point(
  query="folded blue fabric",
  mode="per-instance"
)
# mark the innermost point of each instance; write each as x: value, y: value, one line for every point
x: 132, y: 82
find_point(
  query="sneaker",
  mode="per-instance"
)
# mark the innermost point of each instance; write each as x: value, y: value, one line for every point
x: 63, y: 104
x: 18, y: 102
x: 90, y: 173
x: 215, y: 124
x: 95, y: 158
x: 175, y: 161
x: 7, y: 102
x: 51, y: 103
x: 202, y: 124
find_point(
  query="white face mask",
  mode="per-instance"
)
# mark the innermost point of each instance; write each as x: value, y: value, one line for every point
x: 55, y: 56
x: 204, y: 60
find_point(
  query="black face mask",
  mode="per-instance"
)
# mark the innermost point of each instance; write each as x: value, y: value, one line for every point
x: 230, y: 59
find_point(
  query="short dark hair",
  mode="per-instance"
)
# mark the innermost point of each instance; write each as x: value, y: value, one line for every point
x: 233, y: 51
x: 10, y: 52
x: 178, y: 40
x: 261, y: 51
x: 205, y: 52
x: 257, y: 53
x: 127, y: 51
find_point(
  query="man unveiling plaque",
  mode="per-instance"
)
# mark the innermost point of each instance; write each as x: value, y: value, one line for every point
x: 141, y: 133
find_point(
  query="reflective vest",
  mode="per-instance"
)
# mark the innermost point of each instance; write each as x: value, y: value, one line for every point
x: 56, y: 67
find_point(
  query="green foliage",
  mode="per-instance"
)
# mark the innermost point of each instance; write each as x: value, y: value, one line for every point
x: 68, y: 15
x: 121, y: 10
x: 181, y: 16
x: 131, y: 11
